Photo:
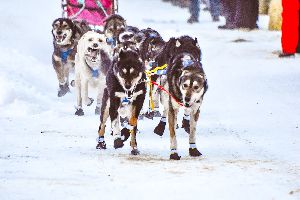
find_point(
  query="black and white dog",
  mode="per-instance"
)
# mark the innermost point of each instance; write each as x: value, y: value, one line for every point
x: 66, y: 34
x: 187, y: 84
x: 123, y: 97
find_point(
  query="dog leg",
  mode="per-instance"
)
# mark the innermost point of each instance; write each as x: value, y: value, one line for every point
x: 114, y: 116
x: 193, y: 151
x: 84, y: 91
x: 160, y: 128
x: 135, y: 111
x: 186, y: 121
x: 133, y: 124
x: 172, y: 119
x: 99, y: 100
x: 103, y: 118
x: 63, y: 85
x: 79, y: 110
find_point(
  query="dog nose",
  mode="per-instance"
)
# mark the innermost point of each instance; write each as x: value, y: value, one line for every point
x: 127, y: 86
x: 59, y: 32
x: 187, y: 99
x: 95, y: 45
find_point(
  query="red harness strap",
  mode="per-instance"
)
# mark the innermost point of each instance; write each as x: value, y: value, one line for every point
x: 162, y: 88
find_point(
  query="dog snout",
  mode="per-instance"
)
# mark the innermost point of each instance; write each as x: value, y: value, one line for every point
x: 59, y: 32
x: 187, y: 99
x: 95, y: 45
x: 127, y: 86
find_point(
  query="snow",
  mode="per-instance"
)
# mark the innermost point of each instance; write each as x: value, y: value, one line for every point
x: 248, y: 131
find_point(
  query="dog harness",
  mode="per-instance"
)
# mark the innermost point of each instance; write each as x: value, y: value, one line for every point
x: 64, y: 55
x: 111, y: 41
x: 95, y: 73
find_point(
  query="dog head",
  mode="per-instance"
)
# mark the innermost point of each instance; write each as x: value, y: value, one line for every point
x: 192, y: 80
x: 114, y: 25
x: 128, y: 34
x: 63, y: 31
x: 183, y: 44
x: 129, y: 69
x: 125, y: 46
x: 90, y: 45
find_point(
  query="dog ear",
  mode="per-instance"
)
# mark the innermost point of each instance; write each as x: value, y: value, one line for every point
x: 178, y: 44
x: 121, y: 54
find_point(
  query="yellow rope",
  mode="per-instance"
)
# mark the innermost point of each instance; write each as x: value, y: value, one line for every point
x: 149, y: 73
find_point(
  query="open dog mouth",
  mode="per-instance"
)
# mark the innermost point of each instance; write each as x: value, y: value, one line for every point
x: 93, y: 54
x: 60, y: 38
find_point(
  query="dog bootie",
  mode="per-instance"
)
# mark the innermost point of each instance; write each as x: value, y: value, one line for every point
x: 156, y: 113
x: 63, y: 89
x: 91, y: 101
x: 118, y: 143
x: 194, y: 152
x: 125, y: 132
x: 160, y: 128
x: 186, y: 123
x: 79, y: 112
x: 97, y: 110
x: 101, y: 143
x: 135, y: 151
x: 174, y: 156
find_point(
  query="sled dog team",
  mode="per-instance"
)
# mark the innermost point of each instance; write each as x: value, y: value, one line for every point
x: 119, y: 63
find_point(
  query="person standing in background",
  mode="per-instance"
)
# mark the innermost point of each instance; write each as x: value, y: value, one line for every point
x: 290, y: 28
x: 194, y: 10
x: 240, y: 14
x: 215, y: 10
x: 229, y: 12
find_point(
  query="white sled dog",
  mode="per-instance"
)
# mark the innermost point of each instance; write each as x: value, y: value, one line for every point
x: 92, y: 62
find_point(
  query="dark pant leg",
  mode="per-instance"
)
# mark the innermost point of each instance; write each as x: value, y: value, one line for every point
x: 229, y: 11
x: 298, y: 48
x: 194, y: 9
x: 215, y: 8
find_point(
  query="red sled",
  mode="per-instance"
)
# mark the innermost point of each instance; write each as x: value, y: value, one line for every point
x: 93, y: 12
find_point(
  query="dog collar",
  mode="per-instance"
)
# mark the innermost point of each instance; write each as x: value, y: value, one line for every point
x: 95, y: 72
x: 127, y: 100
x: 64, y: 55
x: 111, y: 41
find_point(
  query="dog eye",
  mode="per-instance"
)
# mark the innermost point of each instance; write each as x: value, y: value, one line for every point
x: 196, y: 87
x: 65, y: 26
x: 91, y: 39
x: 100, y: 40
x: 185, y: 85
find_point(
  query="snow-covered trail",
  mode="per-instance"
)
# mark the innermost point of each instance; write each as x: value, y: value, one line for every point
x: 248, y: 132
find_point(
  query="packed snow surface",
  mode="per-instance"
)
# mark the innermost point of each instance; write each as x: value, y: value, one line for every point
x: 248, y: 130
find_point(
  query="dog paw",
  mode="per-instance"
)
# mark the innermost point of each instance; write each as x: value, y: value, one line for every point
x: 126, y: 133
x: 175, y: 156
x: 160, y: 128
x: 63, y: 90
x: 79, y: 112
x: 118, y: 143
x: 101, y: 145
x: 194, y: 152
x: 156, y: 113
x: 186, y: 125
x: 72, y: 83
x: 135, y: 152
x: 149, y: 115
x: 97, y: 110
x: 91, y: 100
